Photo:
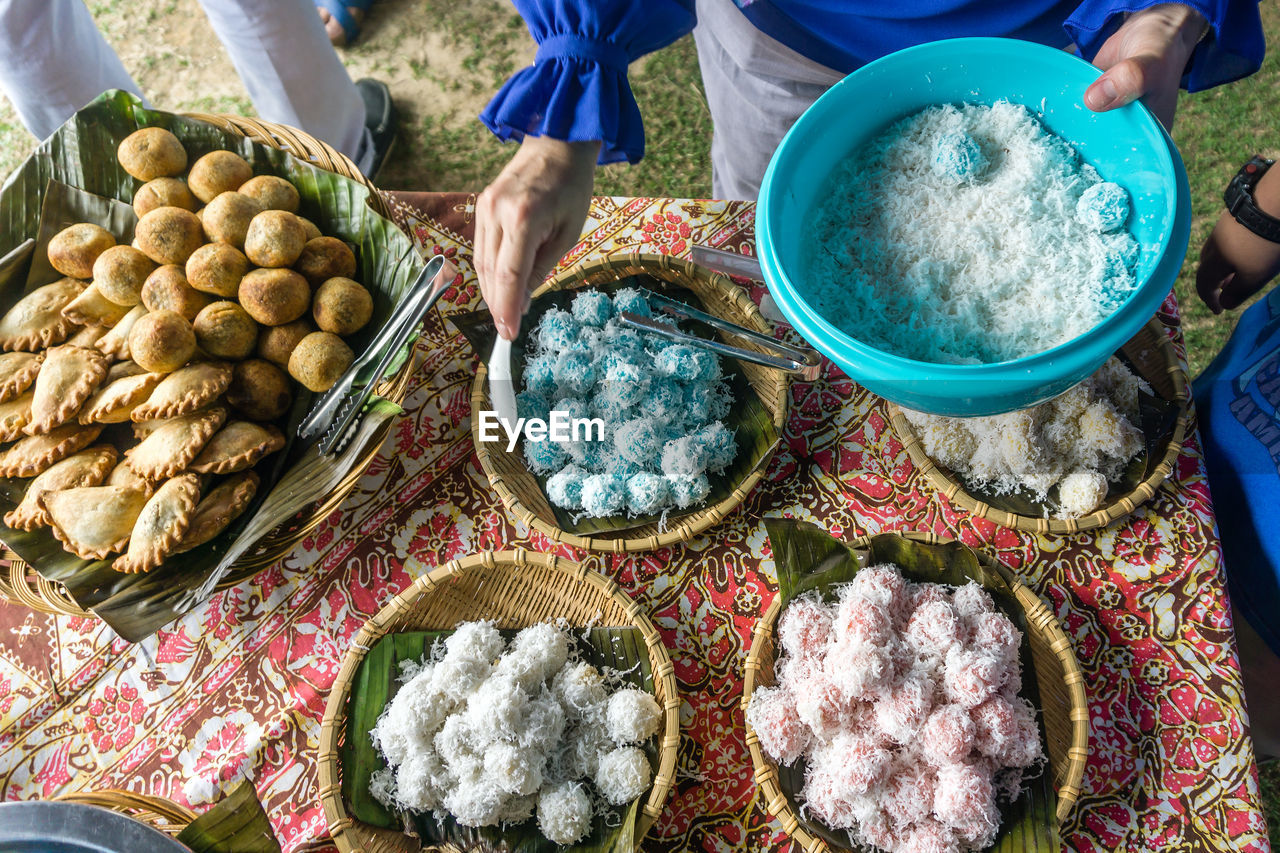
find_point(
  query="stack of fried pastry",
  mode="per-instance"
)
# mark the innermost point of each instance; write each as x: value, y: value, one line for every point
x: 179, y: 350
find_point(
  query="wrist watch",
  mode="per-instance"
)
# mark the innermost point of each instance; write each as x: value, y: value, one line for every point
x: 1240, y: 203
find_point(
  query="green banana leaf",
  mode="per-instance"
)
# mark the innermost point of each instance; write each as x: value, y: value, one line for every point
x: 808, y: 559
x: 81, y: 155
x: 375, y: 685
x: 236, y: 824
x: 748, y: 419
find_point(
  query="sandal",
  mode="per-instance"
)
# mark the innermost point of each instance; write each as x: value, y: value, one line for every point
x: 340, y: 11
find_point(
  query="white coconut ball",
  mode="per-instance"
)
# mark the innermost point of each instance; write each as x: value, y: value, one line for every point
x: 623, y: 775
x: 456, y: 743
x: 477, y: 803
x: 564, y: 813
x: 579, y: 753
x: 458, y: 677
x: 410, y: 718
x: 537, y: 653
x: 421, y: 781
x: 632, y: 716
x: 579, y: 687
x: 543, y: 724
x: 513, y: 770
x: 518, y: 809
x: 1081, y: 492
x: 478, y: 641
x: 497, y: 710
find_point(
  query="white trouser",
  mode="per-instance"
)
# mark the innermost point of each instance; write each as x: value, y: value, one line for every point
x: 756, y: 88
x: 53, y: 61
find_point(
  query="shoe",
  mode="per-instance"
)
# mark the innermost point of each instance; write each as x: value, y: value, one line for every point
x: 380, y: 118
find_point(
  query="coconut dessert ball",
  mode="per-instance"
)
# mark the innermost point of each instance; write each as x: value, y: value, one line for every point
x: 419, y: 780
x: 1081, y: 492
x: 150, y: 153
x: 168, y: 235
x: 1104, y: 207
x: 689, y: 491
x: 575, y: 371
x: 459, y: 676
x: 324, y: 258
x: 217, y: 268
x: 771, y: 713
x: 647, y: 493
x: 957, y: 158
x: 631, y: 301
x: 274, y: 297
x: 167, y: 289
x: 259, y: 390
x: 965, y: 798
x: 804, y: 629
x: 401, y: 729
x: 557, y: 330
x: 342, y: 306
x: 718, y: 446
x: 602, y: 495
x: 218, y: 172
x: 592, y: 308
x: 545, y: 456
x: 227, y: 218
x: 496, y: 708
x: 536, y: 653
x: 947, y: 736
x: 277, y: 343
x: 564, y: 488
x: 637, y: 440
x: 319, y: 360
x: 564, y: 813
x: 623, y: 774
x: 163, y: 192
x: 475, y: 803
x: 271, y: 193
x: 632, y: 716
x: 544, y: 726
x: 161, y: 341
x: 512, y: 770
x: 625, y: 385
x: 579, y: 688
x: 225, y: 330
x: 75, y: 249
x: 901, y: 713
x: 683, y: 458
x: 275, y: 239
x: 478, y: 641
x: 120, y: 272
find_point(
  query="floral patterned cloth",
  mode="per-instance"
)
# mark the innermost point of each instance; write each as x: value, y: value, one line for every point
x: 238, y: 687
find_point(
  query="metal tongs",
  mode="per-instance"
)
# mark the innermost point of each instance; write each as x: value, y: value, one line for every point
x: 338, y: 410
x: 802, y: 361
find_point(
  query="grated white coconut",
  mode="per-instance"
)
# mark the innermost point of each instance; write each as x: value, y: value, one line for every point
x: 512, y: 770
x: 564, y: 812
x: 632, y: 716
x: 497, y: 708
x: 537, y: 653
x: 623, y: 774
x: 579, y: 687
x: 478, y: 641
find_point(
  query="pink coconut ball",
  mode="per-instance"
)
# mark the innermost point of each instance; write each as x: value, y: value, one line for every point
x: 875, y: 828
x: 901, y: 712
x: 805, y: 627
x: 858, y: 670
x: 1023, y: 748
x: 771, y: 713
x: 883, y: 585
x: 947, y: 736
x: 929, y: 836
x: 824, y: 798
x: 819, y: 704
x: 965, y: 802
x: 972, y: 677
x: 933, y: 628
x: 995, y: 726
x: 858, y: 762
x: 923, y: 593
x: 908, y: 795
x: 971, y: 600
x: 861, y: 620
x: 996, y: 634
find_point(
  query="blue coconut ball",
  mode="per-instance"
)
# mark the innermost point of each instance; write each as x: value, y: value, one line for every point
x: 708, y: 365
x: 573, y: 408
x: 592, y: 308
x: 564, y: 488
x: 544, y: 456
x: 706, y: 402
x: 1103, y: 207
x: 637, y: 440
x: 664, y: 399
x: 575, y: 371
x: 625, y: 384
x: 647, y: 493
x: 718, y: 444
x: 624, y: 344
x: 621, y: 467
x: 957, y: 158
x: 556, y: 331
x: 631, y: 301
x: 679, y: 362
x: 540, y: 374
x: 530, y: 404
x: 683, y: 458
x: 603, y: 495
x: 688, y: 491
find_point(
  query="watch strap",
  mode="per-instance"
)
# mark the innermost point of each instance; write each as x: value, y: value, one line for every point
x: 1242, y: 207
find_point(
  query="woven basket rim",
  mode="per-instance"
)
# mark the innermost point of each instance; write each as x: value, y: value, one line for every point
x: 953, y: 488
x: 686, y: 525
x: 25, y: 585
x: 1039, y: 617
x: 157, y: 812
x: 385, y: 620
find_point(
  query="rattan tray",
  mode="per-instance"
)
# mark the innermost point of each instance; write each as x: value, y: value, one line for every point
x: 518, y: 488
x: 24, y: 585
x: 1151, y: 352
x: 1064, y: 707
x: 516, y: 589
x: 157, y: 812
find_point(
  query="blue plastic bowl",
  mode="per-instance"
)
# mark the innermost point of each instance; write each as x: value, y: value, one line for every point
x: 1127, y: 146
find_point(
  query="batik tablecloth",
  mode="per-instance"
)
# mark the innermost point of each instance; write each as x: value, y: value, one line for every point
x: 238, y: 687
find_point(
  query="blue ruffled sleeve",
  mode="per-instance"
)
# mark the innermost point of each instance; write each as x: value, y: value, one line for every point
x: 1233, y: 49
x: 577, y: 88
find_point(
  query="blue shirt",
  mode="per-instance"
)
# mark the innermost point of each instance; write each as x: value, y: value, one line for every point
x: 1238, y: 401
x: 577, y: 88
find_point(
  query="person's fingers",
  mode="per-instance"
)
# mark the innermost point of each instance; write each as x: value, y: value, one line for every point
x: 483, y: 244
x: 1123, y: 83
x: 1238, y: 287
x: 1211, y: 274
x: 512, y: 265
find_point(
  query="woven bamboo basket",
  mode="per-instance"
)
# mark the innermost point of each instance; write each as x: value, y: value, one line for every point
x: 157, y: 812
x: 22, y: 584
x: 1064, y: 708
x: 1152, y: 353
x: 516, y: 589
x: 519, y: 489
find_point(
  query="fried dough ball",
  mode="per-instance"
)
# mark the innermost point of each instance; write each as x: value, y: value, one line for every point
x: 276, y: 238
x: 168, y: 235
x: 120, y: 273
x: 277, y: 343
x: 167, y: 289
x: 225, y: 330
x: 324, y: 258
x: 272, y: 193
x: 217, y: 268
x: 274, y: 297
x: 74, y: 249
x: 260, y: 390
x: 310, y: 228
x: 226, y: 219
x: 151, y: 153
x: 163, y: 192
x: 319, y: 360
x: 161, y: 341
x: 216, y: 173
x: 342, y: 306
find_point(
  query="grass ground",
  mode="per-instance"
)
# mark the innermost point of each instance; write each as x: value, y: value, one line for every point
x: 443, y: 59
